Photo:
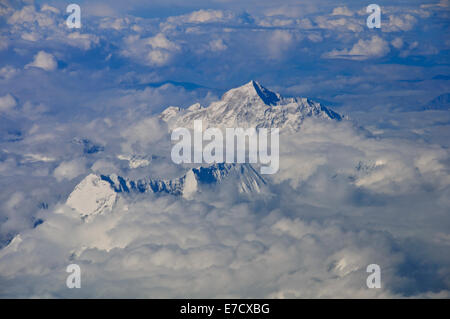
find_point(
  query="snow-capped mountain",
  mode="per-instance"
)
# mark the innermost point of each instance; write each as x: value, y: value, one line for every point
x: 92, y: 196
x: 250, y: 105
x: 96, y: 194
x: 249, y: 180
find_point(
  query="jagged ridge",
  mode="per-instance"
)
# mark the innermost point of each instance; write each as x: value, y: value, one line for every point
x: 250, y: 105
x: 96, y: 194
x: 250, y: 180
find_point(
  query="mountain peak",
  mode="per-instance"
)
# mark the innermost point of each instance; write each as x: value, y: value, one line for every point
x: 97, y: 194
x: 252, y: 90
x: 250, y: 105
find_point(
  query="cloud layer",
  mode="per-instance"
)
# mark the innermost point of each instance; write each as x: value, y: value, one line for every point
x: 374, y: 189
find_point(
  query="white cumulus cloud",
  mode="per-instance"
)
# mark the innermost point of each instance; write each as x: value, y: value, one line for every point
x: 43, y: 60
x: 69, y: 170
x: 375, y: 47
x: 342, y: 11
x: 7, y: 103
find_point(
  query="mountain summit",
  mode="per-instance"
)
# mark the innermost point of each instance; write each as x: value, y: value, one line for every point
x: 250, y: 105
x: 250, y: 92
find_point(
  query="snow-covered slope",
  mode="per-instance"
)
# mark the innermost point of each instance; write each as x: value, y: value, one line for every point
x: 249, y: 181
x: 250, y: 105
x: 92, y: 196
x: 96, y: 194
